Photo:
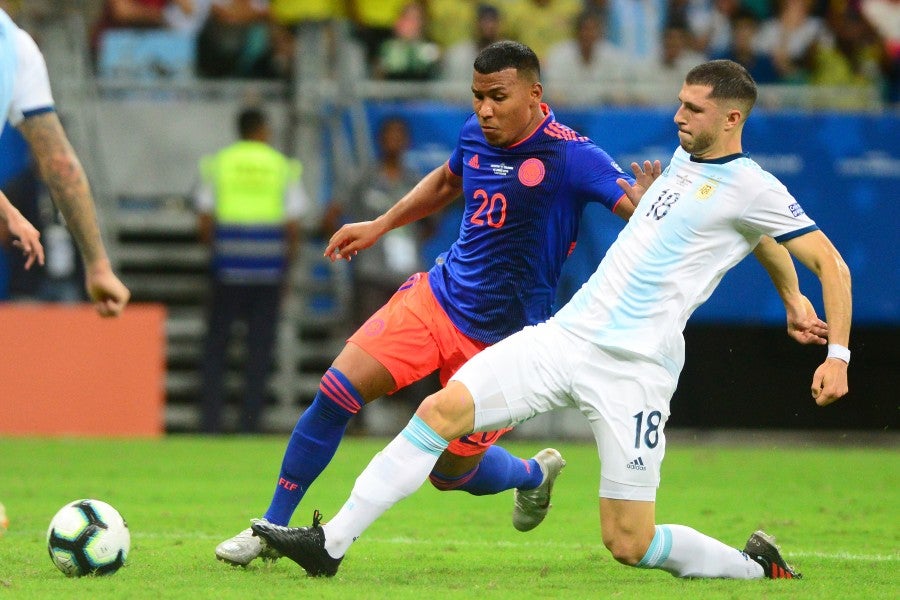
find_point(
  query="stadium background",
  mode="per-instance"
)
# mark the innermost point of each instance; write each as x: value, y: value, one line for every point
x: 140, y: 138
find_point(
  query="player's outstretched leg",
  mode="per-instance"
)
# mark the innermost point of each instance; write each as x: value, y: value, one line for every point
x: 313, y: 443
x: 761, y: 549
x: 241, y: 549
x: 303, y: 545
x: 531, y: 506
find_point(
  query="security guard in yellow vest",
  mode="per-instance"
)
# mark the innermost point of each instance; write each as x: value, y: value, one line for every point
x: 249, y: 204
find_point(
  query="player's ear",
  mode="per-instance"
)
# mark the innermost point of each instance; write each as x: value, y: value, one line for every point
x: 734, y: 116
x: 537, y: 91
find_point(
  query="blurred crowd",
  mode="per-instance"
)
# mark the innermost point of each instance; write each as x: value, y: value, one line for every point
x: 814, y: 42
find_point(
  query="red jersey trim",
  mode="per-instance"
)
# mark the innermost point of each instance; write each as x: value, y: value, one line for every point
x: 616, y: 205
x: 545, y: 108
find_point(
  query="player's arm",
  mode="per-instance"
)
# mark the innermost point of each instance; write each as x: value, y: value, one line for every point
x: 24, y: 235
x: 802, y: 322
x: 435, y: 191
x: 820, y: 256
x: 624, y: 208
x: 71, y: 193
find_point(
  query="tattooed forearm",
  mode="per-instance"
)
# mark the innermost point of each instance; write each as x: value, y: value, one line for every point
x: 68, y: 184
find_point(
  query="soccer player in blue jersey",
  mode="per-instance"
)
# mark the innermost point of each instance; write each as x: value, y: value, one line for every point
x: 524, y: 178
x: 614, y: 352
x: 27, y: 103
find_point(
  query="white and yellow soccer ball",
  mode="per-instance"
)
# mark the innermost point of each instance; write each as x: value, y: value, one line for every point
x: 88, y: 537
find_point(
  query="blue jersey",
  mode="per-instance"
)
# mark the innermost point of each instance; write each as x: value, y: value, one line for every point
x: 523, y: 205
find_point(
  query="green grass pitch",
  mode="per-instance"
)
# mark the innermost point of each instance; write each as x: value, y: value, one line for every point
x: 834, y: 511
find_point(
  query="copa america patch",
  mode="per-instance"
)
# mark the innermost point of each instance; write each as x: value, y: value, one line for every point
x: 796, y: 209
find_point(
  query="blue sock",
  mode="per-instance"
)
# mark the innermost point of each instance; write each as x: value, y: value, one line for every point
x: 498, y: 471
x: 313, y: 443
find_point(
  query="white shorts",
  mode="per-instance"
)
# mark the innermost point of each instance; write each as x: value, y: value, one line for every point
x: 624, y: 396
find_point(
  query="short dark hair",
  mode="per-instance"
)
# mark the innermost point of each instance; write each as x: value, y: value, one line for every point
x: 250, y: 121
x: 728, y: 80
x: 507, y: 54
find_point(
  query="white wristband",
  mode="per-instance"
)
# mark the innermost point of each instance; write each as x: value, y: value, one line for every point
x: 839, y: 352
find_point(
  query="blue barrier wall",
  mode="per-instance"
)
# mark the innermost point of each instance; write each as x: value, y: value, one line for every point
x: 843, y: 169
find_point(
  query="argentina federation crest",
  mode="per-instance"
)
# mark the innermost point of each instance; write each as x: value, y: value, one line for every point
x: 705, y: 191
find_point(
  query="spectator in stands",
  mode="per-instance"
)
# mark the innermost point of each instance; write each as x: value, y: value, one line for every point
x: 848, y: 58
x: 677, y: 58
x: 790, y: 39
x: 249, y: 206
x: 134, y: 14
x: 540, y: 24
x: 309, y: 24
x: 380, y: 271
x: 458, y: 58
x: 744, y: 26
x: 636, y: 26
x: 235, y: 41
x: 581, y: 68
x: 450, y: 21
x: 408, y: 54
x: 709, y: 24
x: 373, y: 23
x: 884, y: 17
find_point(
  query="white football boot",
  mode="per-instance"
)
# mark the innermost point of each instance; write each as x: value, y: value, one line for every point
x: 532, y: 505
x: 243, y: 548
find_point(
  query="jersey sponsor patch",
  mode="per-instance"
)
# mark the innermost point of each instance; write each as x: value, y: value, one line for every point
x: 796, y: 209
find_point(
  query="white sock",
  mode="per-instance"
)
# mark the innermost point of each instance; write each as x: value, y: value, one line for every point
x: 395, y: 473
x: 685, y: 552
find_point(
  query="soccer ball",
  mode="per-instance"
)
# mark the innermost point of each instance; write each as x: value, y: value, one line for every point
x: 88, y: 537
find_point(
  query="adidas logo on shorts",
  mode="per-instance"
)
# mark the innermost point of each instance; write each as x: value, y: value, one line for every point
x: 636, y: 465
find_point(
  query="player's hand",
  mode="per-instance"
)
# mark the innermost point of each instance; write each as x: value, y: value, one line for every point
x: 26, y: 238
x: 350, y: 239
x: 644, y: 175
x: 803, y: 325
x: 830, y: 381
x: 106, y: 291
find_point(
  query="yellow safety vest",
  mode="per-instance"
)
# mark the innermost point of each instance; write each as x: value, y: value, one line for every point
x: 250, y: 181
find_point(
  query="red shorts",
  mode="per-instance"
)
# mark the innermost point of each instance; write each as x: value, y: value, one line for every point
x: 412, y: 337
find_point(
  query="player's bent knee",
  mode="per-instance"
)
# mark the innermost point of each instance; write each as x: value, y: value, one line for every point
x: 450, y: 412
x: 628, y: 550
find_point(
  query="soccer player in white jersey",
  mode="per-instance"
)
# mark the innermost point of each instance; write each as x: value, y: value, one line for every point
x: 616, y: 349
x: 23, y: 233
x: 27, y: 102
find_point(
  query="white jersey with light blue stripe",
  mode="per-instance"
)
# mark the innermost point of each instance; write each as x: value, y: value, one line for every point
x: 694, y: 223
x: 24, y: 83
x: 7, y: 62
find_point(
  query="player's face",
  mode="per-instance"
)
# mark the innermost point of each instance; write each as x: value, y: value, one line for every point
x: 699, y: 120
x: 507, y: 106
